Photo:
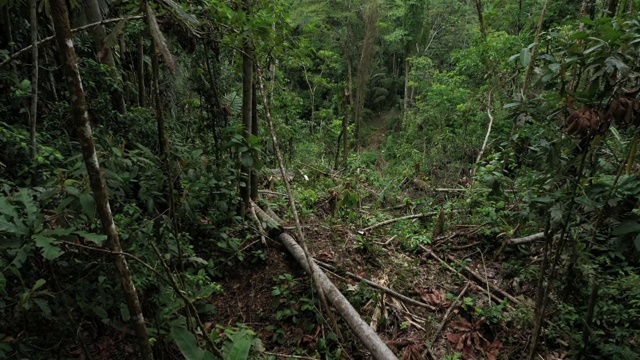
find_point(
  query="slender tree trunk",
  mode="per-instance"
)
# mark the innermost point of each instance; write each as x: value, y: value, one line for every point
x: 405, y: 101
x: 33, y: 111
x: 612, y: 8
x: 163, y: 140
x: 481, y: 18
x: 9, y: 37
x: 80, y: 117
x: 52, y: 80
x: 142, y: 102
x: 105, y: 55
x: 254, y: 132
x: 345, y: 122
x: 370, y: 16
x: 247, y: 105
x: 518, y: 27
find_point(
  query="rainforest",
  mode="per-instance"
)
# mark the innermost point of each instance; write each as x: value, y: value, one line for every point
x: 319, y: 179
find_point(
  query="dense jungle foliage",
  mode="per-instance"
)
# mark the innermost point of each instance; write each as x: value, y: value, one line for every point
x: 477, y: 160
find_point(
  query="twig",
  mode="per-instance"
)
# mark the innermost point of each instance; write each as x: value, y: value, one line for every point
x: 448, y: 313
x: 287, y: 356
x: 483, y: 280
x: 486, y: 137
x: 386, y: 222
x: 494, y: 296
x: 462, y: 247
x: 50, y: 38
x: 450, y: 190
x: 377, y: 286
x: 272, y: 193
x: 188, y: 302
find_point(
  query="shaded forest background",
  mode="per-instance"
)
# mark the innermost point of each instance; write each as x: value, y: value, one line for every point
x: 406, y: 141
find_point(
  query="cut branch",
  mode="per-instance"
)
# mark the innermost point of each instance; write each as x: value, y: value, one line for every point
x: 378, y: 286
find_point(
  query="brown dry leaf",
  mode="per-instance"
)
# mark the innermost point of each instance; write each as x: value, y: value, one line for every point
x: 436, y: 298
x: 413, y: 352
x: 469, y: 338
x: 584, y: 122
x: 623, y: 110
x: 492, y: 349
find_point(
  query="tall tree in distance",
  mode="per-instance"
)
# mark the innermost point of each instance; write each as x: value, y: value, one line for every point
x: 80, y: 118
x: 247, y: 111
x: 33, y: 110
x: 104, y: 54
x: 370, y: 14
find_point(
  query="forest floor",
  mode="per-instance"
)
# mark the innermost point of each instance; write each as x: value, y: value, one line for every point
x: 459, y: 312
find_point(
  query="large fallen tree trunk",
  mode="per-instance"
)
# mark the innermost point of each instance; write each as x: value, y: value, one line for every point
x: 361, y: 329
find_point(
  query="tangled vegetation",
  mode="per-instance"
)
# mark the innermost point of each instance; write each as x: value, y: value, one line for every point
x: 465, y: 172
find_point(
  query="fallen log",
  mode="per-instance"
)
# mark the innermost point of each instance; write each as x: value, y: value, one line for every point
x: 526, y: 239
x: 361, y: 329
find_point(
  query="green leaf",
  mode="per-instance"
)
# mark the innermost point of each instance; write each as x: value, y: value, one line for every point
x: 3, y: 282
x: 26, y: 197
x: 238, y: 348
x: 7, y: 209
x: 117, y: 151
x: 124, y: 312
x: 43, y: 305
x: 50, y: 250
x: 39, y: 283
x: 187, y: 343
x: 626, y: 228
x: 636, y: 242
x: 9, y: 227
x: 525, y: 57
x: 88, y: 204
x: 94, y: 238
x: 100, y: 311
x: 616, y: 134
x: 593, y: 48
x: 247, y: 159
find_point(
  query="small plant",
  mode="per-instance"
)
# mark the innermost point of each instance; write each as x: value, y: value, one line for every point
x: 367, y: 245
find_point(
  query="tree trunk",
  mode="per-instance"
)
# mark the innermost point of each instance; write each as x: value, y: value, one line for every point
x: 612, y: 8
x: 8, y: 38
x: 163, y: 140
x: 33, y: 110
x: 142, y: 102
x: 80, y: 118
x: 481, y: 18
x: 405, y: 101
x: 247, y: 105
x: 345, y: 122
x: 105, y: 55
x: 254, y: 132
x: 370, y: 17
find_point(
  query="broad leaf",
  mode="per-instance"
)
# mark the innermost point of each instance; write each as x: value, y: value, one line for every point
x: 239, y: 346
x: 187, y: 343
x: 88, y: 204
x: 626, y: 228
x: 7, y: 209
x: 50, y: 250
x: 94, y: 238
